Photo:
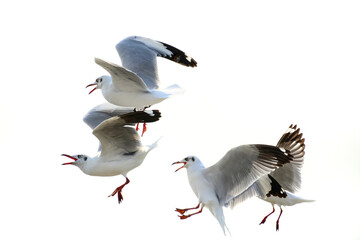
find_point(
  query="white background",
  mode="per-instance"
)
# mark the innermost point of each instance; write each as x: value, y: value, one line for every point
x: 262, y: 65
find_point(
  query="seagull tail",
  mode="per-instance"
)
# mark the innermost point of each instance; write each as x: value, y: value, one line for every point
x: 173, y: 90
x: 155, y: 144
x: 217, y: 211
x: 293, y: 199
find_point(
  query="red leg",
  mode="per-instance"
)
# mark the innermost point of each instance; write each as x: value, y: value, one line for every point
x: 186, y: 216
x: 264, y: 220
x: 118, y: 191
x: 144, y: 125
x: 182, y: 211
x: 144, y: 129
x: 277, y: 222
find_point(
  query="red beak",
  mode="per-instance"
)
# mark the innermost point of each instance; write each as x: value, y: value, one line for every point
x: 93, y: 84
x: 68, y: 157
x: 179, y: 167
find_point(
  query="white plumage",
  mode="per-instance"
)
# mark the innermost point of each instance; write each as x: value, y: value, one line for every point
x: 136, y: 83
x: 236, y: 176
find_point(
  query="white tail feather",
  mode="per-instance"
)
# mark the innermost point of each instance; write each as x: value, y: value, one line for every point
x: 173, y: 90
x: 155, y: 144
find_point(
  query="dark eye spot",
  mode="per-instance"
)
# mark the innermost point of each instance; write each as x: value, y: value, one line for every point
x: 193, y: 159
x: 85, y: 158
x: 79, y: 156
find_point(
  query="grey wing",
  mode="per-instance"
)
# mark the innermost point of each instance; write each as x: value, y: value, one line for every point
x: 104, y: 111
x: 122, y: 78
x: 264, y: 187
x: 289, y: 176
x: 117, y: 137
x: 241, y: 167
x: 138, y: 54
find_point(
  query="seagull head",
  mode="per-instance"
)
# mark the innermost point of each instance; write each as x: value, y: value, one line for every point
x: 79, y: 160
x: 99, y: 82
x: 190, y: 161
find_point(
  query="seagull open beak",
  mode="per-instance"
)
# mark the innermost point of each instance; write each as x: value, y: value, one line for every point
x: 69, y: 157
x: 179, y: 167
x: 93, y: 84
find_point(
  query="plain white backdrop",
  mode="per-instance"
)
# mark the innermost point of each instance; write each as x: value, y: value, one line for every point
x: 262, y: 65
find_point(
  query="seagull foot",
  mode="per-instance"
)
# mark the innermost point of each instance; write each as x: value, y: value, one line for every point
x: 182, y: 217
x: 263, y: 221
x: 181, y: 211
x: 118, y: 191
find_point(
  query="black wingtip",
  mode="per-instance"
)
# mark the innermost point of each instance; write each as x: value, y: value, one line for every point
x: 276, y: 189
x: 179, y: 56
x: 142, y: 116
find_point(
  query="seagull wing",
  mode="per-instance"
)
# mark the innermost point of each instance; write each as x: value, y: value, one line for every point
x: 138, y: 54
x: 117, y: 137
x: 122, y: 78
x: 104, y: 111
x: 285, y: 177
x: 289, y: 176
x: 241, y: 167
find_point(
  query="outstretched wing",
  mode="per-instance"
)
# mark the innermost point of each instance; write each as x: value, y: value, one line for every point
x: 285, y: 177
x: 241, y: 167
x: 289, y: 176
x: 138, y: 54
x: 122, y: 78
x: 117, y: 137
x: 104, y: 111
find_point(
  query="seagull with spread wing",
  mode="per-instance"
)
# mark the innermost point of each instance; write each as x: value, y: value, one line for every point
x: 121, y: 146
x: 236, y: 176
x: 136, y: 82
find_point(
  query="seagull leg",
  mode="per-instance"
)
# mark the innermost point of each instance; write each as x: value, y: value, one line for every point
x: 277, y: 222
x: 182, y: 211
x: 144, y: 129
x: 118, y: 191
x: 144, y: 125
x: 264, y: 220
x: 182, y: 217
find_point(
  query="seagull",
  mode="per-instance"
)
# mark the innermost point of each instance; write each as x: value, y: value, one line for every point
x: 286, y: 179
x: 232, y: 179
x: 136, y: 83
x: 121, y: 148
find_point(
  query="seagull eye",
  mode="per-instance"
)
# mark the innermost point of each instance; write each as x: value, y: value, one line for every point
x: 79, y: 156
x: 85, y: 158
x: 193, y: 159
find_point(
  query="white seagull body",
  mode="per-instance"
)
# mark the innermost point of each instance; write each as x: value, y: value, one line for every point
x: 121, y: 147
x: 136, y: 84
x: 234, y: 178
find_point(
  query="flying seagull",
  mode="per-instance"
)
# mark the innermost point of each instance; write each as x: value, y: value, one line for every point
x: 121, y: 147
x: 233, y: 178
x: 136, y: 82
